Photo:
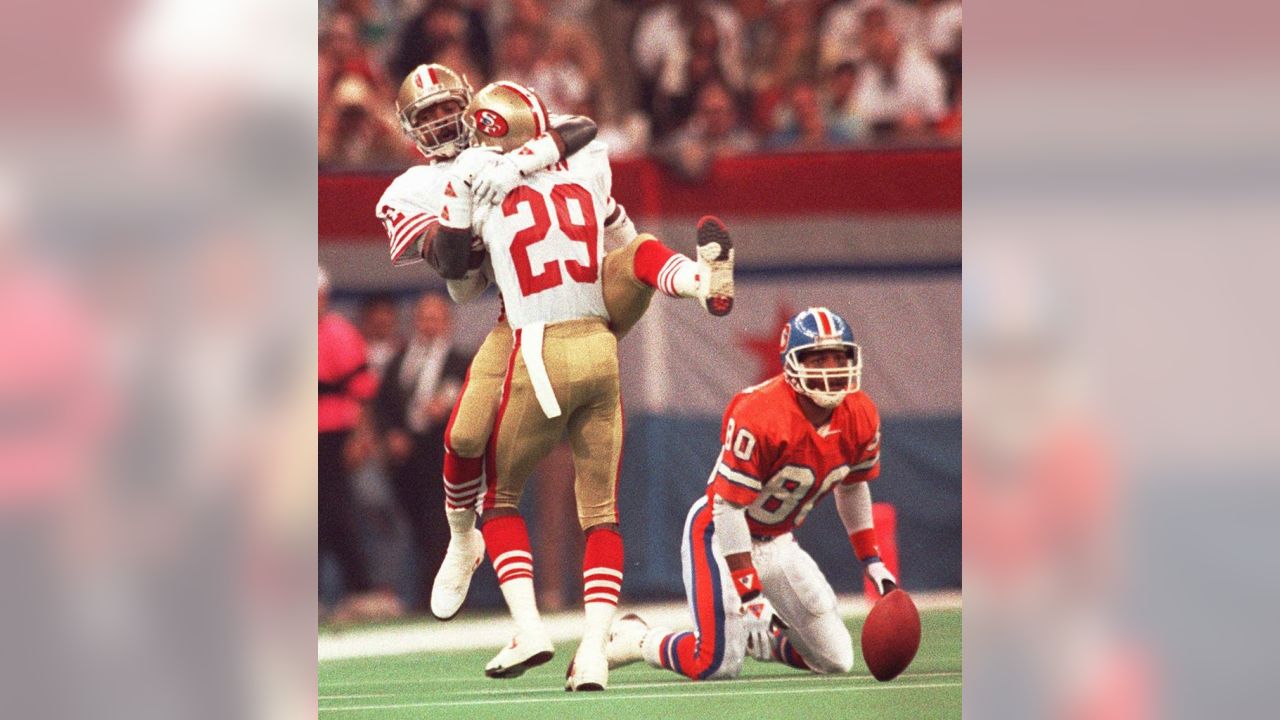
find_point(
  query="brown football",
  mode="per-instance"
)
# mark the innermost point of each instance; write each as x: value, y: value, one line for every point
x: 891, y: 635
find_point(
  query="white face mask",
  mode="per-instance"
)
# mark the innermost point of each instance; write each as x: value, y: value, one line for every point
x: 825, y: 386
x: 427, y: 134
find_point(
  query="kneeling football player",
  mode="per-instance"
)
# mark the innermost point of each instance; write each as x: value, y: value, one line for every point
x: 788, y: 442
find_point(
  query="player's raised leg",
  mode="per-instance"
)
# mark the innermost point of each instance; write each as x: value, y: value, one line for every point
x: 625, y: 296
x: 465, y: 440
x: 632, y: 272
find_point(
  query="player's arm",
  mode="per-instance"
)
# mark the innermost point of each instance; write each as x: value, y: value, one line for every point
x: 407, y: 230
x: 736, y: 485
x: 450, y: 245
x: 449, y: 250
x: 734, y: 537
x: 567, y: 135
x: 853, y: 502
x: 571, y: 133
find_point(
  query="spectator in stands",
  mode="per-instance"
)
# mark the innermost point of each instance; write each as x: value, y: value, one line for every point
x: 380, y: 325
x: 938, y: 26
x: 950, y: 126
x: 626, y: 133
x: 842, y: 25
x: 561, y: 77
x: 566, y: 44
x: 355, y: 129
x: 345, y: 383
x: 901, y: 91
x: 439, y: 25
x: 454, y: 55
x: 677, y: 47
x: 343, y: 55
x: 802, y: 124
x: 374, y: 19
x: 790, y: 52
x: 379, y: 322
x: 684, y: 75
x: 410, y: 412
x: 518, y: 52
x: 939, y: 32
x: 714, y: 131
x: 757, y: 24
x: 840, y: 102
x: 786, y: 55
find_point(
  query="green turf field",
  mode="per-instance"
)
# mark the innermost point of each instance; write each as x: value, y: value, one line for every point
x: 451, y: 685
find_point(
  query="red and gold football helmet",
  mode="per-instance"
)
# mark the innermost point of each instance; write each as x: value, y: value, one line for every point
x: 506, y: 115
x: 437, y: 133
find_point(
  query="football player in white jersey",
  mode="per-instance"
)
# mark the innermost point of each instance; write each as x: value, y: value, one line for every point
x: 430, y: 106
x: 546, y: 245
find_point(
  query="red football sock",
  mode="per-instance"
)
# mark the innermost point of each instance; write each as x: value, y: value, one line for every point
x: 602, y: 567
x: 665, y: 270
x: 463, y: 480
x: 785, y: 652
x: 507, y: 541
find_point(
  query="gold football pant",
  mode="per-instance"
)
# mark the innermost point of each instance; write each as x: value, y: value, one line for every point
x: 581, y: 358
x: 626, y: 299
x: 472, y: 421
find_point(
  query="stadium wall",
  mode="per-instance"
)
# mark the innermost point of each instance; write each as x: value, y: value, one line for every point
x: 873, y: 235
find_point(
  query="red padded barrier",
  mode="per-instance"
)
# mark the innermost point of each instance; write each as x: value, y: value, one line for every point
x: 867, y: 182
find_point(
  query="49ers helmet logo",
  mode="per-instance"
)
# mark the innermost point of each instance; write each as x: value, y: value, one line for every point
x: 491, y: 123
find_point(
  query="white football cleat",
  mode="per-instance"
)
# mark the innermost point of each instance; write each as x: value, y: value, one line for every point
x: 589, y: 671
x: 715, y: 252
x: 626, y: 637
x: 522, y: 653
x: 449, y: 590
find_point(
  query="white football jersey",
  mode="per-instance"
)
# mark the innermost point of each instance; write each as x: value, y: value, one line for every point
x: 412, y: 202
x: 409, y: 205
x: 546, y: 238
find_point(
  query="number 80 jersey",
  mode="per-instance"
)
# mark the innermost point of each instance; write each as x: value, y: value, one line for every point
x: 775, y: 462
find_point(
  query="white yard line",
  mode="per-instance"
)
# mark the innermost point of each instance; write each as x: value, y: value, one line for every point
x: 675, y: 682
x: 644, y: 696
x: 433, y: 636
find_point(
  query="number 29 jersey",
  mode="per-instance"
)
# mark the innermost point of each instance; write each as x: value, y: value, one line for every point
x: 777, y: 464
x: 546, y: 238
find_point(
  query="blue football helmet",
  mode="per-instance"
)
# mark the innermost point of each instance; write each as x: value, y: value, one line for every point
x: 820, y: 329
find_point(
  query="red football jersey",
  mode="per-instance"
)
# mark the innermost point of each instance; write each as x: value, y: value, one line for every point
x: 780, y: 466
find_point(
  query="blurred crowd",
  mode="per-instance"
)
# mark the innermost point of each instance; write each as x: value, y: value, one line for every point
x: 390, y: 371
x: 683, y: 80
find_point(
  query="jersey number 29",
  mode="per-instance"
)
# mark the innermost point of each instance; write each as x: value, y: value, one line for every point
x: 550, y: 275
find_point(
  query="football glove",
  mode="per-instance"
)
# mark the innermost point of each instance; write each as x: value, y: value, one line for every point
x: 880, y: 575
x: 757, y: 619
x: 493, y: 181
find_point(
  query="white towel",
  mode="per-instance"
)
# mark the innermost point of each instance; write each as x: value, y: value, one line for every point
x: 531, y: 349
